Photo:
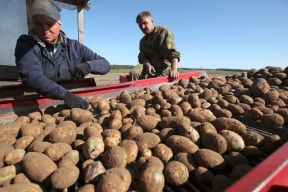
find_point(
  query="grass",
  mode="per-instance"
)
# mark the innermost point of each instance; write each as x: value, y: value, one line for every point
x: 209, y: 72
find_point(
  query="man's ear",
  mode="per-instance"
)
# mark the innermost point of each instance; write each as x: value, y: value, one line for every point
x: 152, y: 21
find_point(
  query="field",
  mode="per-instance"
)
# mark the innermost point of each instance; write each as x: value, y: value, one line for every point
x: 113, y: 76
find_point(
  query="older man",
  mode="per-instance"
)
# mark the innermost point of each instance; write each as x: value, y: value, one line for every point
x: 46, y: 55
x: 158, y: 54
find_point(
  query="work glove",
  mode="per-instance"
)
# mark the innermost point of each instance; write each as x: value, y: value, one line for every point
x: 74, y: 101
x: 80, y: 71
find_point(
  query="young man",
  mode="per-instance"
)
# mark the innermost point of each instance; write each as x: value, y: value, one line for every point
x: 158, y: 55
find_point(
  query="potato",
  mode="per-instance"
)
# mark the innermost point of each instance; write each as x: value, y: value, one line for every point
x: 253, y: 138
x: 93, y: 172
x: 91, y: 131
x: 239, y: 171
x: 125, y: 97
x: 22, y: 120
x: 244, y: 106
x: 203, y: 115
x: 150, y: 111
x: 222, y: 113
x: 270, y: 96
x: 231, y: 99
x: 14, y: 156
x: 137, y: 112
x: 176, y: 110
x: 260, y: 87
x: 7, y: 173
x: 272, y: 119
x: 230, y: 124
x: 32, y: 164
x: 220, y: 183
x: 214, y: 107
x: 167, y: 132
x: 163, y: 152
x: 234, y: 141
x: 194, y: 101
x: 187, y: 131
x: 180, y: 144
x: 185, y: 106
x: 173, y: 122
x: 236, y: 110
x: 152, y: 179
x: 21, y: 187
x: 63, y: 135
x: 64, y: 177
x: 203, y: 175
x: 132, y: 132
x: 69, y: 124
x: 35, y: 115
x: 23, y: 142
x: 103, y: 105
x: 146, y: 153
x: 214, y: 142
x: 223, y: 103
x: 146, y: 162
x: 69, y: 158
x: 57, y: 150
x: 137, y: 102
x: 236, y: 158
x: 115, y: 179
x: 114, y: 157
x: 210, y: 160
x: 176, y: 173
x: 80, y: 116
x: 155, y: 131
x: 124, y: 111
x: 31, y: 130
x: 88, y: 188
x: 165, y: 113
x: 131, y: 149
x: 8, y: 139
x: 187, y: 159
x: 147, y: 140
x: 206, y: 127
x: 251, y: 152
x: 127, y: 121
x: 272, y: 143
x: 21, y: 178
x: 206, y: 94
x: 93, y: 147
x: 115, y: 124
x: 148, y: 123
x: 246, y: 99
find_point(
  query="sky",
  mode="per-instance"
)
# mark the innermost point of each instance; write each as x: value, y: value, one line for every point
x: 209, y: 34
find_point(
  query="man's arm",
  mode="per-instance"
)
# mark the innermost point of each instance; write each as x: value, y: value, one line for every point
x: 168, y: 50
x: 143, y: 59
x: 31, y: 72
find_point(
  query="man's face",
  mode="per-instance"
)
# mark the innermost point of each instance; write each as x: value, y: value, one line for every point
x: 146, y: 25
x: 46, y: 28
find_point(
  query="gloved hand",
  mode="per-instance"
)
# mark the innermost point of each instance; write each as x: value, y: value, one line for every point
x: 74, y: 101
x: 80, y: 71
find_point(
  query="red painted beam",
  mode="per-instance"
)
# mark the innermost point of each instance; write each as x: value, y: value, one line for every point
x: 270, y: 173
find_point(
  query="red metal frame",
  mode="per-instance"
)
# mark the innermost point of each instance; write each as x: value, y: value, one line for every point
x: 269, y: 175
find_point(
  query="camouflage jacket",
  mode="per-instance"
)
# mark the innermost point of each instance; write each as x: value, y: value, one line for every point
x: 160, y: 49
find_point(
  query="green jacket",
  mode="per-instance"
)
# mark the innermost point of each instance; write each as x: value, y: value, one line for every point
x: 160, y: 49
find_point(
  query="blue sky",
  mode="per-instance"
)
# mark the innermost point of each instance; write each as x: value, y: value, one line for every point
x: 209, y: 34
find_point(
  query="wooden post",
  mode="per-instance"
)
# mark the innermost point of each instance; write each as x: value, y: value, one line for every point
x: 80, y: 25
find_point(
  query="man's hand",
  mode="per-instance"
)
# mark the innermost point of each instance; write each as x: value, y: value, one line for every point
x: 149, y: 70
x: 74, y: 101
x: 80, y: 71
x: 174, y: 74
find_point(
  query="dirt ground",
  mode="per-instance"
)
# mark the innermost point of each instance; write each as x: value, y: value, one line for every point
x: 113, y: 78
x: 110, y: 78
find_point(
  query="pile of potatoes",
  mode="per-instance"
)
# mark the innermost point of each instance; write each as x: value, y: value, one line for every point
x: 171, y: 134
